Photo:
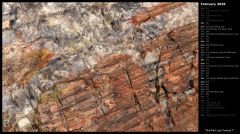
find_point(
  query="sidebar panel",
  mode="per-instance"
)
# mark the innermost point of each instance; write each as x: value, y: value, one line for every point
x: 219, y: 66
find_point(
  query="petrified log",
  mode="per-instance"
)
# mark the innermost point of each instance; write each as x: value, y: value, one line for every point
x: 116, y: 95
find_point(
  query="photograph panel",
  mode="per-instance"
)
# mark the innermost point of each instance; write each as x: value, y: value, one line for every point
x: 100, y: 66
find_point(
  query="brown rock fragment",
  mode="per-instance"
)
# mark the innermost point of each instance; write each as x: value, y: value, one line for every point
x: 154, y: 11
x: 6, y: 24
x: 185, y: 116
x: 173, y: 46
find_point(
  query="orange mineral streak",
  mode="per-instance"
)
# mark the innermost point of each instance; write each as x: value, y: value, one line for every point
x: 155, y: 11
x: 34, y: 59
x: 21, y: 61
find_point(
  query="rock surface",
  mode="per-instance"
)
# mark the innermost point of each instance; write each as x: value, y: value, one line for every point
x: 100, y: 66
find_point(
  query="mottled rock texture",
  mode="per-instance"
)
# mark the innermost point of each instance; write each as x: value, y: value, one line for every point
x: 100, y: 66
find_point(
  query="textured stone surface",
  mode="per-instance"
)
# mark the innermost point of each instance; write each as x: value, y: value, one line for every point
x: 100, y: 66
